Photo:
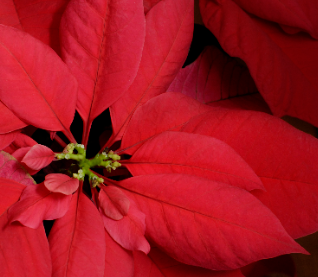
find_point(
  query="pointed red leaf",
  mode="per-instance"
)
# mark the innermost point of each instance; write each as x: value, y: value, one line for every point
x: 207, y: 224
x: 174, y: 109
x: 57, y: 182
x: 39, y: 18
x: 169, y: 29
x: 212, y: 77
x: 203, y: 156
x: 24, y: 251
x: 9, y: 122
x: 283, y: 66
x: 102, y: 44
x: 11, y: 169
x: 37, y: 204
x: 19, y: 155
x: 119, y: 261
x: 39, y: 156
x: 77, y: 241
x: 33, y: 92
x: 7, y: 139
x: 172, y: 268
x: 129, y: 231
x: 113, y: 202
x: 283, y: 157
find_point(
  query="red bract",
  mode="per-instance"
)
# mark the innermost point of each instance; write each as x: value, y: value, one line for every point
x: 282, y: 65
x: 199, y: 190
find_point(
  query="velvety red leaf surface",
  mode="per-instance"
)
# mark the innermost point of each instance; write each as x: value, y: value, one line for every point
x: 119, y: 261
x: 77, y: 241
x: 19, y: 155
x: 202, y: 156
x: 20, y: 141
x: 61, y: 183
x: 148, y: 4
x: 293, y: 16
x: 38, y: 156
x: 11, y: 169
x: 129, y: 232
x: 207, y: 224
x: 32, y: 78
x: 7, y: 139
x: 144, y: 266
x: 16, y: 240
x: 9, y: 121
x: 37, y: 204
x: 283, y: 66
x: 212, y: 77
x: 172, y: 268
x: 41, y: 19
x: 168, y: 111
x: 253, y: 102
x: 102, y: 44
x: 284, y: 158
x: 169, y: 29
x: 113, y: 202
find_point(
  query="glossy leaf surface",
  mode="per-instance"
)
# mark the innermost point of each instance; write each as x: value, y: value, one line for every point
x: 192, y: 218
x: 169, y: 27
x: 77, y: 241
x: 284, y: 158
x: 31, y: 92
x: 176, y: 152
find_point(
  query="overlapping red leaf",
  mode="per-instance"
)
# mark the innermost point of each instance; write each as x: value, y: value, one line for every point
x: 283, y: 66
x: 77, y: 241
x: 212, y: 77
x: 33, y: 76
x: 102, y: 44
x: 24, y: 251
x: 41, y: 19
x: 202, y: 156
x: 284, y: 158
x: 207, y: 224
x: 169, y: 27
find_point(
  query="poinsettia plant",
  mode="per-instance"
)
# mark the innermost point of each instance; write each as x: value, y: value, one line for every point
x: 148, y: 168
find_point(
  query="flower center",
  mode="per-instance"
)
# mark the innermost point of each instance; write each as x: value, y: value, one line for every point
x: 77, y: 152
